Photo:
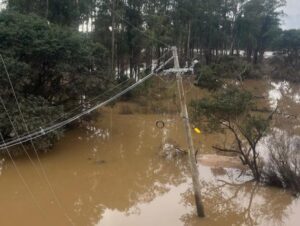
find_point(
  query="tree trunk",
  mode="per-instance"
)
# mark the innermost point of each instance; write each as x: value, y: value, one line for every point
x: 113, y: 38
x: 261, y: 56
x: 188, y: 50
x: 255, y: 56
x: 47, y: 9
x: 249, y: 54
x: 207, y: 53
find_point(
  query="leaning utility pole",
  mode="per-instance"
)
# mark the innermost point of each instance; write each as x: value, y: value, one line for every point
x: 187, y: 126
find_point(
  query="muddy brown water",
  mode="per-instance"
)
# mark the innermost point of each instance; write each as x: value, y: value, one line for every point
x: 111, y: 173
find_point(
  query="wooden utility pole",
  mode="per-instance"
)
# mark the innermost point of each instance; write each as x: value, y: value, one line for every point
x: 188, y: 131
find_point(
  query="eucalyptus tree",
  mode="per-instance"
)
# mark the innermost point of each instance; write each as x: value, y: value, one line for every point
x: 63, y: 12
x: 259, y: 24
x: 288, y: 43
x: 158, y: 18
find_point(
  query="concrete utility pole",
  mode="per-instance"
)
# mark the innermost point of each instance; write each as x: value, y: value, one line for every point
x: 187, y: 126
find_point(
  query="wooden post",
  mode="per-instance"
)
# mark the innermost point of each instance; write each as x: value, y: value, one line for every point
x: 187, y: 126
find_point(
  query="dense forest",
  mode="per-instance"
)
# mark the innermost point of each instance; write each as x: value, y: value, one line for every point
x: 58, y: 52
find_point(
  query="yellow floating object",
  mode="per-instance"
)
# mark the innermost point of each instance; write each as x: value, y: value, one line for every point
x: 197, y: 130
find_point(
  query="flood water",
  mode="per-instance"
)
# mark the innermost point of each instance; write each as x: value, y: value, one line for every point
x: 111, y: 173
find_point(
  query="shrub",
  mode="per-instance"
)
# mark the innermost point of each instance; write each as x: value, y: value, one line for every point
x: 207, y: 78
x: 283, y: 165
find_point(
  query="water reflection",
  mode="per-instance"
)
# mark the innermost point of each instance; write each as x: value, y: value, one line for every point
x: 286, y: 95
x: 133, y: 172
x: 110, y: 174
x: 2, y: 161
x: 240, y: 204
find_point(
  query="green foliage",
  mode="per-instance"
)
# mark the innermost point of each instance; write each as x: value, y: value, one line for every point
x: 231, y: 109
x: 233, y: 67
x: 255, y: 126
x: 288, y: 46
x: 63, y: 12
x: 50, y: 67
x: 42, y: 56
x: 228, y: 104
x: 212, y: 76
x: 59, y: 64
x: 286, y: 64
x: 142, y: 28
x: 37, y: 113
x: 258, y: 26
x: 207, y: 78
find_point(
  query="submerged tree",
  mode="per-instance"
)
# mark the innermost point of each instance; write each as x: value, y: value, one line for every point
x: 231, y: 109
x: 283, y: 167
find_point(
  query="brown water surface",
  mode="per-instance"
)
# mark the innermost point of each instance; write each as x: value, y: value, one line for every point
x: 112, y: 173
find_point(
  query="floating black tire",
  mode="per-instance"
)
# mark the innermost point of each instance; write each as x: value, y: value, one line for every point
x: 160, y: 124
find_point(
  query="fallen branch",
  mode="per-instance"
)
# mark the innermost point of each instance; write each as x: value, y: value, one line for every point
x: 226, y: 150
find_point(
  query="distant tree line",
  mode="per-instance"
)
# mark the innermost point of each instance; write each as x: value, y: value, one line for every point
x: 135, y: 31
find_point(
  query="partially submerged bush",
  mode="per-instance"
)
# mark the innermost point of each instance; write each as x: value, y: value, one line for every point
x: 233, y: 67
x: 282, y: 70
x: 230, y: 109
x: 283, y: 165
x: 207, y: 78
x: 211, y: 76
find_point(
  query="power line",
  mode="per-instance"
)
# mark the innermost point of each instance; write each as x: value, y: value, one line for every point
x: 24, y: 149
x: 23, y: 179
x: 119, y: 86
x: 57, y: 126
x: 16, y: 132
x: 44, y: 174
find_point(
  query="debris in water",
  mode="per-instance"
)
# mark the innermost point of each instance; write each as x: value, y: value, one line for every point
x: 171, y: 150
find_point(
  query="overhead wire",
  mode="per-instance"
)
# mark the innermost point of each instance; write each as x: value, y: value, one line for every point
x: 24, y: 149
x: 16, y: 132
x: 143, y: 33
x: 66, y: 114
x: 44, y: 131
x: 62, y: 124
x: 44, y: 174
x: 22, y: 178
x: 105, y: 94
x: 54, y: 127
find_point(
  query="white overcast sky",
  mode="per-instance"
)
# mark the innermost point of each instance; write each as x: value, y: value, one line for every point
x: 292, y: 17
